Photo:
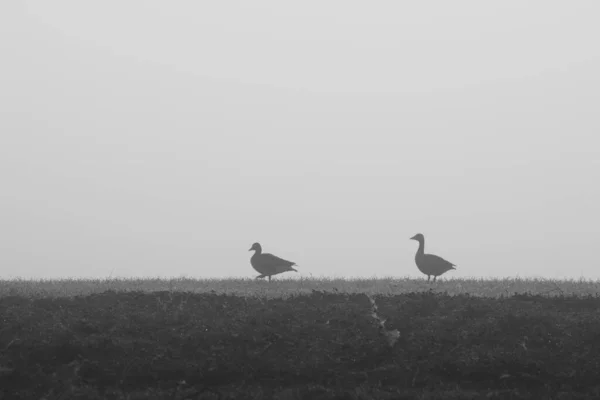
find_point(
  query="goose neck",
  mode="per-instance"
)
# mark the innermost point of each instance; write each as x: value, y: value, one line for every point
x: 421, y: 249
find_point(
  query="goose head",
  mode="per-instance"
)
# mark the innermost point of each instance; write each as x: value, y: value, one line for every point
x: 256, y: 247
x: 418, y: 237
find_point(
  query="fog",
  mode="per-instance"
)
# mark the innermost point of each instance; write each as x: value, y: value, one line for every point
x: 153, y: 138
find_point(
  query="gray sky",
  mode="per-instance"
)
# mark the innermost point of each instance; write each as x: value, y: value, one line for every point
x: 155, y: 138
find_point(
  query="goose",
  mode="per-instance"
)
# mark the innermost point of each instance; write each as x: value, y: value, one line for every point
x: 267, y: 264
x: 430, y: 264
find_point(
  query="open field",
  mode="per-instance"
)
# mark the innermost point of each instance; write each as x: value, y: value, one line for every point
x: 282, y: 287
x: 296, y: 339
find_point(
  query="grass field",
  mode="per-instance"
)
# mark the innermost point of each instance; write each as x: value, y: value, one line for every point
x: 296, y: 339
x: 281, y: 287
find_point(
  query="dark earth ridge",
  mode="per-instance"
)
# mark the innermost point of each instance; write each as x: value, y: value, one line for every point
x: 185, y: 345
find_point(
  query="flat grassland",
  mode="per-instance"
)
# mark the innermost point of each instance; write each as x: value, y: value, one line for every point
x: 299, y: 339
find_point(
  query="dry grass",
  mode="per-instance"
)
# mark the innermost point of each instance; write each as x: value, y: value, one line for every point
x: 281, y: 287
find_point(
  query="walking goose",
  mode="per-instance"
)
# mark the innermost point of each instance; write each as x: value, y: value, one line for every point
x: 430, y: 264
x: 267, y: 264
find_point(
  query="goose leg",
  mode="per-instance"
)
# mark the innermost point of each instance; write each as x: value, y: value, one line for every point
x: 434, y: 278
x: 269, y: 278
x: 428, y: 278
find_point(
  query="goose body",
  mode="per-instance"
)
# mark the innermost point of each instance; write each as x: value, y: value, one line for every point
x: 267, y: 264
x: 430, y: 264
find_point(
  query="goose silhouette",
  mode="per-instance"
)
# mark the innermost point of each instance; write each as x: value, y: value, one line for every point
x: 430, y: 264
x: 267, y: 264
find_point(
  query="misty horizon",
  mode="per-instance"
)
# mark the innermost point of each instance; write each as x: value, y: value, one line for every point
x: 150, y: 139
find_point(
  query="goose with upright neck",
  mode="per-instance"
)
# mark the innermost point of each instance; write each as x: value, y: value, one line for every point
x: 430, y: 264
x: 267, y: 264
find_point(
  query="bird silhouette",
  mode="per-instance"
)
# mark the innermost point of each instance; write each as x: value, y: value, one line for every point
x: 430, y: 264
x: 267, y: 264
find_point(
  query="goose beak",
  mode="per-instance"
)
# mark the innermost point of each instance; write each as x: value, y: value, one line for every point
x: 413, y: 238
x: 250, y: 249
